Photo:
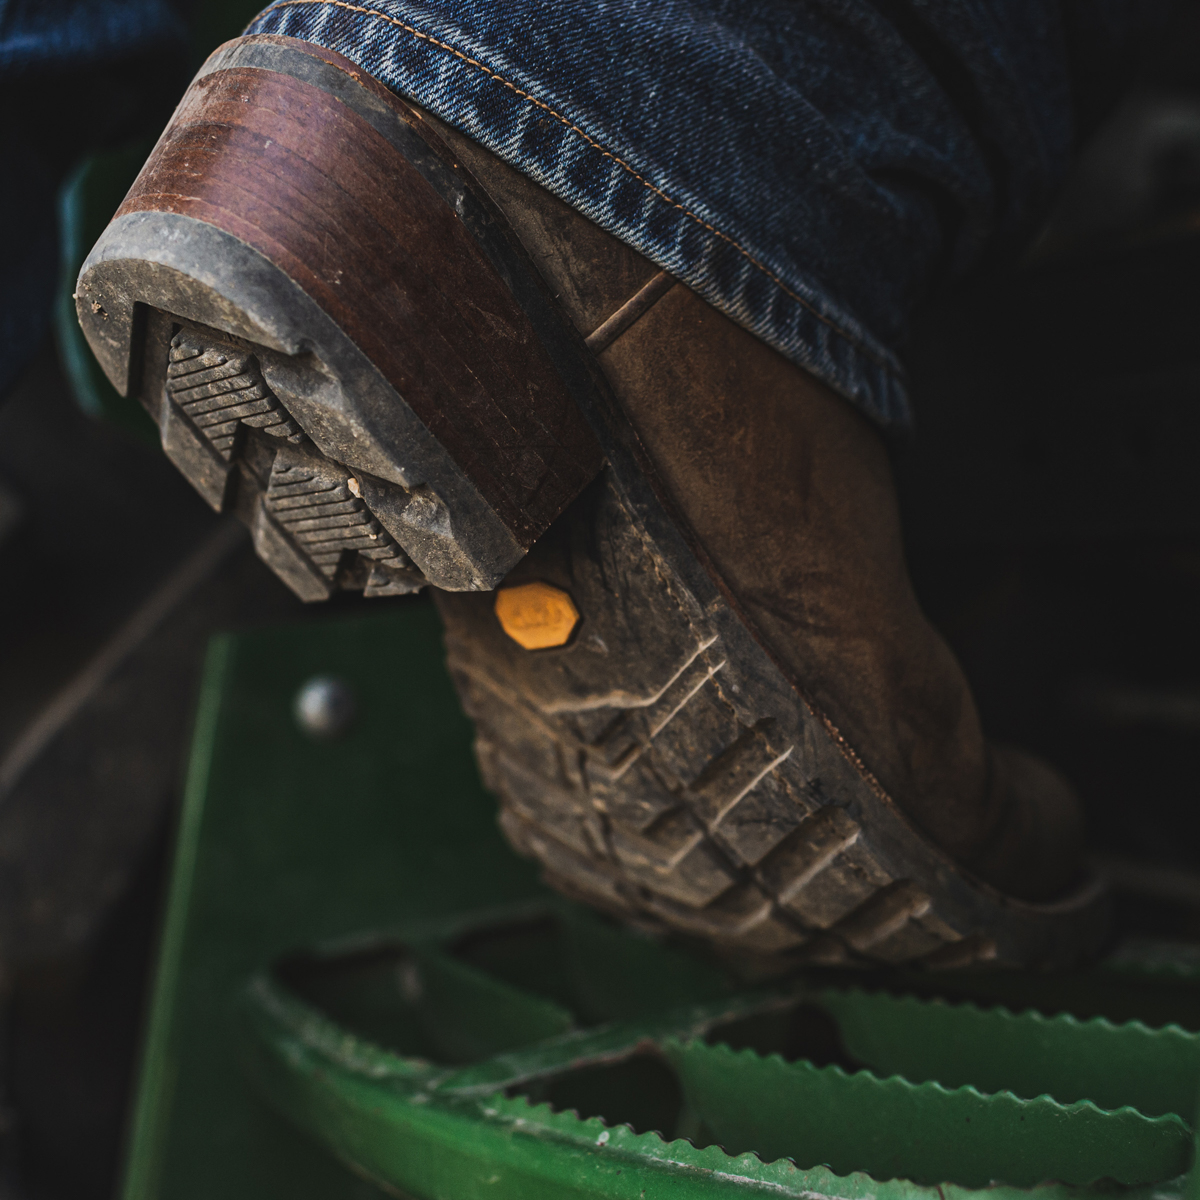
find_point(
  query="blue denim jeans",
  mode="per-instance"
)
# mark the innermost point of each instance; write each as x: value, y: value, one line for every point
x: 813, y: 168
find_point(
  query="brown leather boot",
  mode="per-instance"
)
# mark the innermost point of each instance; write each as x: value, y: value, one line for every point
x: 704, y: 692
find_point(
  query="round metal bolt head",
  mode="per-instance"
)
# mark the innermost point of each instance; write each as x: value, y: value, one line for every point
x: 537, y: 616
x: 325, y: 707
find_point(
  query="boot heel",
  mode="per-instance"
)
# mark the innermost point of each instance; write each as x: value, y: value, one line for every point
x: 337, y: 333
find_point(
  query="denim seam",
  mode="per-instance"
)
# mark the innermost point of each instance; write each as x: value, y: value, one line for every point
x: 865, y: 350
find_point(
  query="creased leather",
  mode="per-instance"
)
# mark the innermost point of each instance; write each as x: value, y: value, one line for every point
x: 787, y: 495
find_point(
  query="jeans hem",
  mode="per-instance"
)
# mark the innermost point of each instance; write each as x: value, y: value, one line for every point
x: 791, y: 314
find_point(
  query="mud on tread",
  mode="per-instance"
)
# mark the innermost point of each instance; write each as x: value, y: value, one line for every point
x: 658, y: 764
x: 442, y: 378
x: 229, y: 432
x: 655, y: 774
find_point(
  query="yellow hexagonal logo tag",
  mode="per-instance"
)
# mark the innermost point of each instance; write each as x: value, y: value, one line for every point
x: 537, y: 616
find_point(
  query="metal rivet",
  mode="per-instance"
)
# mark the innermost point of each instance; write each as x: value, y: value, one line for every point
x: 325, y: 707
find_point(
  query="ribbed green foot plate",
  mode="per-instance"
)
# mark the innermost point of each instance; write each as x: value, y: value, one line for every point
x: 357, y: 971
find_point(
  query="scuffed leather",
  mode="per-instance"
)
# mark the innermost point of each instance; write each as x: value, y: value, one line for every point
x: 786, y: 493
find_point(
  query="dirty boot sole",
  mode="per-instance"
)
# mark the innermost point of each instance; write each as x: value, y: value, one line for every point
x: 343, y: 341
x: 659, y: 766
x: 336, y: 334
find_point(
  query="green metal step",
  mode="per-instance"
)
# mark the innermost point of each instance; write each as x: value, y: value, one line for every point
x: 942, y: 1094
x: 362, y: 991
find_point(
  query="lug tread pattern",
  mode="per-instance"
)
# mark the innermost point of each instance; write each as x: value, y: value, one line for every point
x: 312, y: 501
x: 218, y: 391
x: 321, y: 526
x: 688, y: 806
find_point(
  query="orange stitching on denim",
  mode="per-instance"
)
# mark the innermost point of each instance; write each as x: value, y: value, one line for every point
x: 417, y: 33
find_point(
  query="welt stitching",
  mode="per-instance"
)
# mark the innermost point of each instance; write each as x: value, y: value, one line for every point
x: 417, y: 33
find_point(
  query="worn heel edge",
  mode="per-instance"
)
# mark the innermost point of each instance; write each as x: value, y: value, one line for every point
x: 150, y: 270
x: 502, y: 492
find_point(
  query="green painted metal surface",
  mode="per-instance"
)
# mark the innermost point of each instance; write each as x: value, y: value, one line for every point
x: 892, y: 1128
x: 283, y: 842
x: 390, y: 1113
x: 356, y: 970
x: 1154, y: 1070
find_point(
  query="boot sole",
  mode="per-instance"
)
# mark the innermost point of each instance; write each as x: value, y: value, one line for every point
x: 336, y: 333
x: 661, y: 767
x: 430, y: 425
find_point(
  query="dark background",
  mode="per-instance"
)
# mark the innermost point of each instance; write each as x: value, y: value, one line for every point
x: 1052, y: 508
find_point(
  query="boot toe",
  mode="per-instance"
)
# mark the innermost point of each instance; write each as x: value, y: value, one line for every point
x: 1037, y: 851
